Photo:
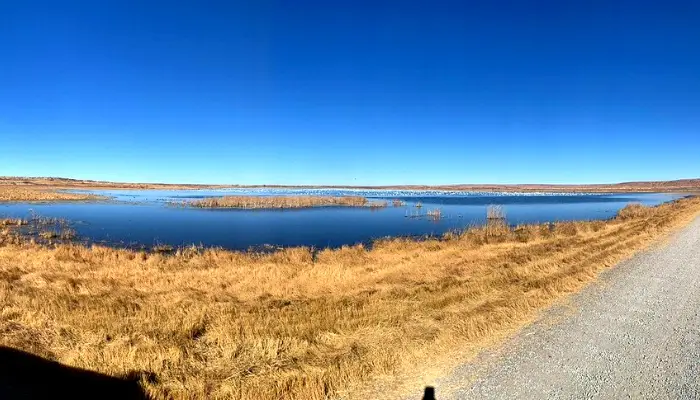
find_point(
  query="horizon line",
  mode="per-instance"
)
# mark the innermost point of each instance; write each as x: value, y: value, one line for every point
x: 695, y: 180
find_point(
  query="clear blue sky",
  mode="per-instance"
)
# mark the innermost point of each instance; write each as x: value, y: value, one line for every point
x: 350, y: 92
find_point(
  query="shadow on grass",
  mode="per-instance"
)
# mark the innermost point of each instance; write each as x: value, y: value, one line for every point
x: 26, y: 376
x: 29, y: 377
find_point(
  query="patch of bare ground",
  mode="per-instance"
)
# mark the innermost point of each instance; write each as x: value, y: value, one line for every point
x: 299, y: 324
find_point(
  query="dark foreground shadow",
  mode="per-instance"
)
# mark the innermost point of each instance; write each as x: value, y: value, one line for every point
x: 429, y: 393
x: 26, y: 376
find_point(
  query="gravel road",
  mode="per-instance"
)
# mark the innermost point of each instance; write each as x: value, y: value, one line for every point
x: 634, y: 333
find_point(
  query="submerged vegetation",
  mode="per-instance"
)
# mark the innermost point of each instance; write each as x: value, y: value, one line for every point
x: 434, y: 214
x: 10, y: 193
x: 398, y: 203
x: 300, y: 323
x: 271, y: 202
x: 36, y: 229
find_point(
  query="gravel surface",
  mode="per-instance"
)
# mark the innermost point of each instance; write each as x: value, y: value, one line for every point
x: 634, y: 333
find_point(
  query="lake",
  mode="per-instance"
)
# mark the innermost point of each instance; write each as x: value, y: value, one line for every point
x: 136, y: 218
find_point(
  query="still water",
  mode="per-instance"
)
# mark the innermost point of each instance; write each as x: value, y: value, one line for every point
x: 145, y: 217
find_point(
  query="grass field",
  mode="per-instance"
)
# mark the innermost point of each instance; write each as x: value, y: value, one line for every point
x: 296, y: 323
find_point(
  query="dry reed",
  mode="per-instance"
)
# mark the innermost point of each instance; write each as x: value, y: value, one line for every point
x: 635, y: 210
x: 495, y: 212
x: 33, y: 194
x: 270, y: 202
x: 299, y: 323
x: 377, y: 204
x: 12, y: 222
x: 398, y: 203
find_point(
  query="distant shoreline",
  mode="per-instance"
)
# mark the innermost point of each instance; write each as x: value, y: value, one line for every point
x: 681, y: 185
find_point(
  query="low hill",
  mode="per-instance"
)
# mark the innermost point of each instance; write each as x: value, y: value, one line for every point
x: 680, y: 185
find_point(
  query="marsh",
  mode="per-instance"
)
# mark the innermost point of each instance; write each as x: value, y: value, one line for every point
x: 146, y: 218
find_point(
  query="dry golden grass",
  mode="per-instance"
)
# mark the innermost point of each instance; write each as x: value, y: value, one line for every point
x: 298, y: 324
x: 268, y: 202
x: 635, y: 210
x: 12, y: 222
x: 35, y: 194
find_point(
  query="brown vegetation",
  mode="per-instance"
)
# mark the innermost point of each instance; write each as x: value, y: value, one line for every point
x: 268, y: 202
x: 296, y: 323
x: 67, y: 183
x: 635, y: 210
x: 495, y: 213
x: 377, y: 203
x: 34, y: 194
x: 62, y: 234
x: 12, y: 222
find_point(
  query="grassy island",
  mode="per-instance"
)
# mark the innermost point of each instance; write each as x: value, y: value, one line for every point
x: 272, y: 202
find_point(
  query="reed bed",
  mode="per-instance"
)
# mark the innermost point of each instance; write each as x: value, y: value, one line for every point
x: 272, y: 202
x: 12, y: 222
x: 635, y: 210
x: 495, y: 213
x: 300, y: 323
x: 9, y: 193
x: 36, y: 229
x: 377, y: 204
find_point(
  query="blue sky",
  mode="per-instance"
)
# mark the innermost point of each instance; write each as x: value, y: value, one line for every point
x: 350, y: 92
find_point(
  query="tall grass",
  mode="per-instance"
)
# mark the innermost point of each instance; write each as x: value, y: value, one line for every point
x: 12, y: 222
x: 495, y: 212
x: 635, y: 210
x: 32, y: 194
x: 270, y: 202
x: 301, y: 323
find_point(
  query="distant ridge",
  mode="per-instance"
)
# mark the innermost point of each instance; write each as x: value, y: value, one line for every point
x: 679, y: 185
